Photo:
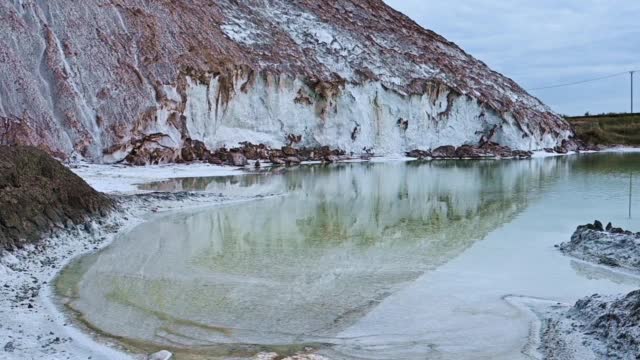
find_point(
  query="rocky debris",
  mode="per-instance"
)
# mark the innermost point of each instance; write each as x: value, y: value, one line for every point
x: 292, y: 160
x: 39, y: 194
x: 419, y: 154
x: 161, y: 355
x: 560, y: 150
x: 149, y: 150
x: 289, y: 151
x: 215, y: 161
x: 444, y: 152
x: 606, y: 327
x: 589, y: 147
x: 196, y: 151
x: 572, y: 145
x: 277, y: 161
x: 606, y: 245
x: 238, y: 159
x: 289, y: 155
x: 488, y: 150
x: 332, y: 159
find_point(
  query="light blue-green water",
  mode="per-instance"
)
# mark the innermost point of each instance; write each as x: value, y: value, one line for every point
x: 359, y: 261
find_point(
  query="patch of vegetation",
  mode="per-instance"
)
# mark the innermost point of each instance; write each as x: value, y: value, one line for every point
x: 607, y: 129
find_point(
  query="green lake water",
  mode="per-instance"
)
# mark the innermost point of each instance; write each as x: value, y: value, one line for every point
x: 358, y: 261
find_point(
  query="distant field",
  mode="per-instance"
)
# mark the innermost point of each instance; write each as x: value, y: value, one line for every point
x: 609, y: 129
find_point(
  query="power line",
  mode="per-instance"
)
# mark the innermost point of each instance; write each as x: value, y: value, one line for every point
x: 583, y: 81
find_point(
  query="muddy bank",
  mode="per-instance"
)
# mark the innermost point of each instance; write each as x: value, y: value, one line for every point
x: 39, y: 194
x: 598, y: 327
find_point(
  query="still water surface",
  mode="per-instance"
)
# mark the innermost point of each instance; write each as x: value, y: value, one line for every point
x: 361, y: 261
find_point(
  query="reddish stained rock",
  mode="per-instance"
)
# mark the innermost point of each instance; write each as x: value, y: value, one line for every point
x: 560, y: 150
x: 292, y: 160
x: 215, y: 161
x: 289, y: 151
x: 238, y: 159
x: 331, y: 159
x: 488, y: 150
x: 277, y: 161
x: 446, y: 151
x: 194, y: 150
x: 419, y: 154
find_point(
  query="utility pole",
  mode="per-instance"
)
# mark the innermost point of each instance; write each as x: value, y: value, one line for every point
x: 630, y: 191
x: 632, y: 72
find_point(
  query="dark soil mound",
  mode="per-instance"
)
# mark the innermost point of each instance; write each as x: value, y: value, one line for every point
x: 37, y: 193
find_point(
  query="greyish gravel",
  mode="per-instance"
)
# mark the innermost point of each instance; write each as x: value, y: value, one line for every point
x: 608, y: 245
x: 597, y: 327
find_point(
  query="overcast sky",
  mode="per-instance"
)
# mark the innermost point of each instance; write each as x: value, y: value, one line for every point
x: 546, y: 42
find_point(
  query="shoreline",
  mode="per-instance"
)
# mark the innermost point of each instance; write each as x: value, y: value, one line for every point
x: 38, y: 327
x: 43, y: 329
x: 124, y: 179
x: 598, y: 325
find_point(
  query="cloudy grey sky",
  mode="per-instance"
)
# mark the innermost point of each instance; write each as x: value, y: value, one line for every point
x: 546, y: 42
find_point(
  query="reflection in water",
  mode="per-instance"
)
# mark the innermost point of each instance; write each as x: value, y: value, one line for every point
x: 598, y: 272
x: 300, y: 268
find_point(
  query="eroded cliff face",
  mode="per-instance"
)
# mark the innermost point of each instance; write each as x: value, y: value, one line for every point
x: 101, y: 78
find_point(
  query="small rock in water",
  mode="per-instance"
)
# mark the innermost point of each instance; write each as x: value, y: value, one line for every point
x: 9, y: 347
x: 160, y: 355
x: 609, y: 227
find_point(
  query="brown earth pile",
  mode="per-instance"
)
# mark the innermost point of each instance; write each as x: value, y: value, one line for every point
x: 38, y: 194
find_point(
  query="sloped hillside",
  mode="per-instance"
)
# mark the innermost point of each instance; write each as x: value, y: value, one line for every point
x: 104, y: 78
